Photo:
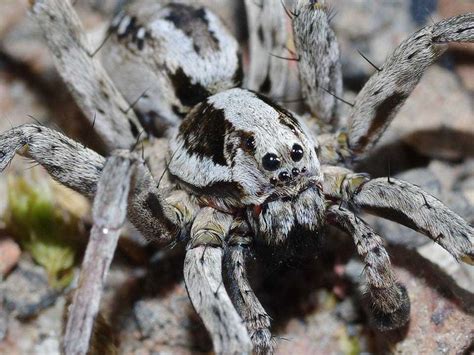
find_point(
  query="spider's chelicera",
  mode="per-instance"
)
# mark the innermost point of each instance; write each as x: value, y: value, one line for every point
x: 240, y: 169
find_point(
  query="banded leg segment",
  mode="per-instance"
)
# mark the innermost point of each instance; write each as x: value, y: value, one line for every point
x: 318, y: 60
x: 389, y: 299
x: 405, y: 204
x: 386, y: 91
x: 268, y: 37
x: 109, y: 212
x: 249, y: 307
x: 203, y: 278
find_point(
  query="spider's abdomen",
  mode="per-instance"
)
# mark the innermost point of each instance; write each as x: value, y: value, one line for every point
x: 166, y: 59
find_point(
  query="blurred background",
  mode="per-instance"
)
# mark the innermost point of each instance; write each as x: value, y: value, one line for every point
x: 316, y: 307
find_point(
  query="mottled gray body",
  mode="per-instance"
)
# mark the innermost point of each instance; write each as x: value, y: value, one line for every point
x: 241, y: 169
x: 166, y: 57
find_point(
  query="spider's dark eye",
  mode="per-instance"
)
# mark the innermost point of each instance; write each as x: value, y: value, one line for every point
x: 292, y: 128
x: 250, y: 143
x: 296, y: 152
x: 271, y: 162
x: 284, y: 176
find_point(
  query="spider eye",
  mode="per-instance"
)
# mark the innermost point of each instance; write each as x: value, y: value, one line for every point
x: 250, y: 143
x: 271, y: 162
x: 284, y: 176
x: 296, y: 152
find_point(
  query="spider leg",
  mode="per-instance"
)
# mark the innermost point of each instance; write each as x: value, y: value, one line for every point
x: 203, y: 278
x: 80, y: 168
x: 109, y: 212
x: 406, y: 204
x: 268, y: 37
x: 389, y: 299
x: 67, y: 161
x: 318, y: 60
x: 91, y: 87
x: 386, y: 91
x: 241, y: 293
x: 409, y: 205
x: 110, y: 181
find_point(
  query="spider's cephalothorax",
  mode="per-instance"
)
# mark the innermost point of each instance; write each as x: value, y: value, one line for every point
x: 242, y: 169
x: 239, y: 152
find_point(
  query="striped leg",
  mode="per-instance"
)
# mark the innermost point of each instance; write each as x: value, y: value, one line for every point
x: 203, y: 278
x: 403, y: 203
x: 389, y: 299
x: 241, y: 293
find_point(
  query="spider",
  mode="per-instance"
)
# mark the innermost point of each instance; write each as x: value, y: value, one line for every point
x: 235, y: 170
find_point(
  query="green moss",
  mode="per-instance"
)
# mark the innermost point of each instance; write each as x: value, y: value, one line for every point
x: 349, y: 344
x: 41, y: 227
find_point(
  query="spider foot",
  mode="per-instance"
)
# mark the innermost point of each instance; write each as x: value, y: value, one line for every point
x: 385, y: 320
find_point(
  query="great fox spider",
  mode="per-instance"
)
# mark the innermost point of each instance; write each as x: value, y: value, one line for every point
x: 241, y: 170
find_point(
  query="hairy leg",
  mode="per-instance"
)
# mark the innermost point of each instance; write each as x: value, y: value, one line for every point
x: 91, y: 87
x: 409, y: 205
x: 268, y: 36
x: 80, y: 168
x: 121, y: 184
x: 387, y: 90
x: 403, y: 203
x: 241, y: 293
x: 319, y: 65
x: 109, y: 212
x: 67, y: 161
x: 203, y: 278
x: 389, y: 299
